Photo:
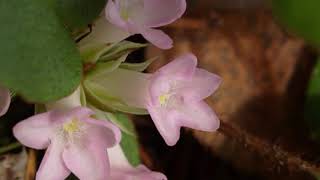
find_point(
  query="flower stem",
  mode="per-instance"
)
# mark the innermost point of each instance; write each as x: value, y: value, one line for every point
x: 9, y: 147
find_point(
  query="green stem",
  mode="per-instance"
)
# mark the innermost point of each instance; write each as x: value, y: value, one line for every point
x: 9, y: 147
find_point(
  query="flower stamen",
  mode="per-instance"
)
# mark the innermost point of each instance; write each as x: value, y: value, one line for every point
x: 71, y: 126
x: 163, y: 99
x: 124, y: 10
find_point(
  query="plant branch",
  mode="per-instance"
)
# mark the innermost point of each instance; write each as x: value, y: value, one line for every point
x: 9, y: 147
x: 273, y: 152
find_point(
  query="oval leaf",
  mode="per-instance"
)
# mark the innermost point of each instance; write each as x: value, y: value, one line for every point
x: 38, y: 58
x: 79, y: 13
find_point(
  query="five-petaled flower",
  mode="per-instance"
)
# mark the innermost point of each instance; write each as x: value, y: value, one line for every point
x: 142, y: 16
x: 75, y: 143
x: 176, y: 93
x: 4, y: 100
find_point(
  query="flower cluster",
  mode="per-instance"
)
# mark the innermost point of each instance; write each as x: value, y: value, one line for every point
x: 80, y: 132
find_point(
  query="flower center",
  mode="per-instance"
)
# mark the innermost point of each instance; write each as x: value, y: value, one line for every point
x: 71, y: 126
x: 124, y: 9
x: 131, y: 9
x: 163, y: 99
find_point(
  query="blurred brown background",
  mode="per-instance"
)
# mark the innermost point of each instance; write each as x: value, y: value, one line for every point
x: 265, y: 72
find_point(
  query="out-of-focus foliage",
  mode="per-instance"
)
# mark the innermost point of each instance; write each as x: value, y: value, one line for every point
x: 300, y: 16
x: 313, y: 102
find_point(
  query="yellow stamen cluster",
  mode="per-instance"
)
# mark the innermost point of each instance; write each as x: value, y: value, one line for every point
x: 163, y: 99
x: 71, y: 126
x: 124, y: 12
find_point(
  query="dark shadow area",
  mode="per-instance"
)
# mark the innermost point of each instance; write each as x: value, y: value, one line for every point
x: 187, y: 160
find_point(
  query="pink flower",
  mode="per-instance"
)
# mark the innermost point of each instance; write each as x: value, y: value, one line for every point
x: 141, y: 16
x: 75, y: 143
x: 122, y: 170
x: 177, y: 92
x: 4, y: 100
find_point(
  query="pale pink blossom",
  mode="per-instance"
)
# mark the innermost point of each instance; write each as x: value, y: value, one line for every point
x: 75, y: 143
x: 142, y: 16
x: 122, y: 170
x: 174, y: 95
x: 4, y: 100
x: 176, y: 98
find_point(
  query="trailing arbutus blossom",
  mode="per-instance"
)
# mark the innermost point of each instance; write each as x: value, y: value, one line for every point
x: 4, y: 100
x: 122, y: 170
x: 177, y: 92
x: 142, y: 16
x: 174, y: 95
x: 75, y: 143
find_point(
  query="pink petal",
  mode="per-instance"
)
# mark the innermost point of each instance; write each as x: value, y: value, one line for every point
x: 139, y: 173
x: 145, y: 14
x: 36, y: 131
x: 166, y: 123
x: 157, y: 38
x: 201, y: 86
x: 163, y: 12
x: 103, y: 132
x: 112, y: 13
x: 198, y: 115
x: 117, y: 158
x: 88, y: 159
x: 52, y: 166
x: 180, y: 69
x: 4, y: 100
x: 78, y: 112
x: 122, y: 170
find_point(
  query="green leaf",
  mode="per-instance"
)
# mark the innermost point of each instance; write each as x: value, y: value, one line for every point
x: 301, y: 16
x: 13, y: 95
x: 130, y: 147
x: 99, y: 98
x: 38, y: 58
x: 129, y: 143
x: 92, y: 53
x: 120, y: 89
x: 116, y: 118
x: 39, y: 108
x: 122, y: 122
x: 312, y: 105
x: 78, y: 13
x: 105, y: 67
x: 119, y: 49
x: 83, y: 98
x: 138, y: 66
